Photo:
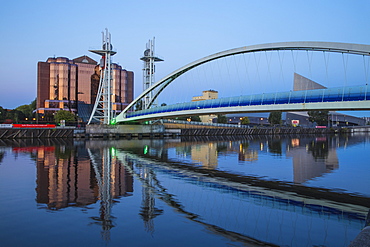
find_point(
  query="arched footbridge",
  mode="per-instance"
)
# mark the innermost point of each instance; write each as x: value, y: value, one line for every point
x: 341, y: 98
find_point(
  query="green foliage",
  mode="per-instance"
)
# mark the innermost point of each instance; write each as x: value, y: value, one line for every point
x: 319, y: 149
x: 245, y: 121
x: 192, y: 118
x: 275, y: 117
x: 2, y: 114
x: 33, y: 105
x: 64, y: 115
x: 275, y: 147
x: 26, y: 110
x: 320, y: 117
x: 20, y: 114
x: 221, y: 119
x: 16, y: 116
x: 139, y: 105
x: 195, y: 119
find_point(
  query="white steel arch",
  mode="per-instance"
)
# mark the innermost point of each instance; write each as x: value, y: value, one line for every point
x: 359, y: 49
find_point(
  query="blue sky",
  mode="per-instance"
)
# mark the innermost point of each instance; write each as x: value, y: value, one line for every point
x: 185, y: 31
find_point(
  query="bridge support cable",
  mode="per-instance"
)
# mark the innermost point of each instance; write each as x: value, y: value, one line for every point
x: 345, y: 65
x: 281, y: 67
x: 246, y: 65
x: 326, y: 61
x: 310, y: 72
x: 268, y: 61
x: 366, y: 74
x: 240, y: 83
x: 257, y: 63
x: 366, y: 69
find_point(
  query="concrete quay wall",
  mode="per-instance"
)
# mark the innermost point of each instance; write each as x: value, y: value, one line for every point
x: 252, y: 131
x: 128, y: 131
x: 358, y: 129
x: 34, y: 133
x: 159, y: 131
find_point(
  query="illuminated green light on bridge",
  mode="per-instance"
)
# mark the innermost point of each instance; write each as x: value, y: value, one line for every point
x: 113, y: 121
x: 146, y: 149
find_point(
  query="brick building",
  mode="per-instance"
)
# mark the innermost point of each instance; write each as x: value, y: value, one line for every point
x: 72, y: 85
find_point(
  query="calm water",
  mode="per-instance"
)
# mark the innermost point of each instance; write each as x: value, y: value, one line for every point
x: 236, y: 191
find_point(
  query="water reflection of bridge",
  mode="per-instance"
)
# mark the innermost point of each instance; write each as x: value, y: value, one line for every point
x: 70, y: 174
x: 251, y: 204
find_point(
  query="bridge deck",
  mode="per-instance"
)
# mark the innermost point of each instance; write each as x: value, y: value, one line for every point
x: 345, y: 98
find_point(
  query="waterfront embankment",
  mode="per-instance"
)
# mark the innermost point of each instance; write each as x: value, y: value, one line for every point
x: 162, y: 131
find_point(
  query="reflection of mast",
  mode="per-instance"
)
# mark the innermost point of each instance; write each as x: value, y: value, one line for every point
x: 103, y: 176
x: 155, y: 188
x: 148, y: 210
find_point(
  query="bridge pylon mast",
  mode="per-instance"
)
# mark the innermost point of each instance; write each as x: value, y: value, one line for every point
x: 149, y: 59
x: 103, y: 110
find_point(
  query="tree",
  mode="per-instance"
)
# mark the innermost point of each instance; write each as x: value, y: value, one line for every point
x: 320, y: 117
x: 64, y: 115
x: 26, y: 110
x: 16, y: 116
x: 221, y: 119
x: 245, y: 121
x: 2, y: 114
x: 139, y: 105
x: 275, y: 117
x: 192, y: 118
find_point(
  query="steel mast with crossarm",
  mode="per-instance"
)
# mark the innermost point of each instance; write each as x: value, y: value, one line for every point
x: 103, y: 110
x: 149, y: 59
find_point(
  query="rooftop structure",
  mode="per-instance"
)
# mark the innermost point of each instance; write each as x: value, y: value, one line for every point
x: 208, y: 94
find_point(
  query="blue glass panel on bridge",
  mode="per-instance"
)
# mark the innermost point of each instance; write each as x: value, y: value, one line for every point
x: 237, y: 101
x: 282, y: 98
x: 297, y: 97
x: 225, y: 102
x: 171, y: 108
x: 256, y: 99
x: 268, y: 99
x: 314, y: 96
x: 333, y: 95
x: 355, y: 93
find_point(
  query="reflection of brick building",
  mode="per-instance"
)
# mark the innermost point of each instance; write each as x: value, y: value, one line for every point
x: 62, y: 83
x: 206, y: 154
x: 72, y: 181
x: 306, y: 166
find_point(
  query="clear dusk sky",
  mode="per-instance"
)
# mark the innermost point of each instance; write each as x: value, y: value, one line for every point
x: 184, y: 31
